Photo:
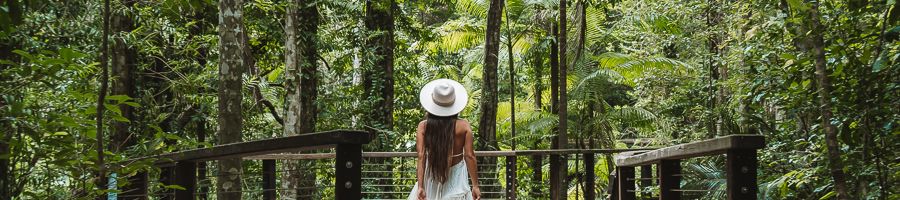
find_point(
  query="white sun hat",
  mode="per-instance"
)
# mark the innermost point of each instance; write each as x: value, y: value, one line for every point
x: 443, y: 97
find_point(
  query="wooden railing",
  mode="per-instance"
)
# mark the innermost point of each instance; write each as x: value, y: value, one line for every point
x: 403, y: 174
x: 180, y: 168
x: 360, y: 175
x: 740, y: 167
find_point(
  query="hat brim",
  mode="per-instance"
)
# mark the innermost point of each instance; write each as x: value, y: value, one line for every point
x: 462, y: 98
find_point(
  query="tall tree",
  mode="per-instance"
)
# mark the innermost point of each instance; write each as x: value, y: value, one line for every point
x: 554, y: 105
x: 717, y: 69
x: 835, y: 162
x: 378, y: 72
x: 101, y: 98
x: 487, y: 126
x: 512, y: 79
x: 562, y: 139
x: 124, y: 63
x: 537, y: 160
x: 301, y: 52
x: 230, y: 120
x: 378, y: 77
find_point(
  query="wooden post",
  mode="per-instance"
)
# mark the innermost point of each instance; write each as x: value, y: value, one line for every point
x: 201, y: 179
x: 268, y: 179
x: 589, y: 176
x: 646, y: 180
x: 186, y: 177
x: 537, y: 182
x: 511, y: 181
x: 626, y: 182
x: 348, y: 172
x: 613, y: 186
x: 740, y: 166
x: 167, y: 177
x: 555, y: 183
x: 669, y: 179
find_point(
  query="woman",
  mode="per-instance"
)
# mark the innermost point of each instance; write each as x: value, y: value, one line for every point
x: 444, y: 146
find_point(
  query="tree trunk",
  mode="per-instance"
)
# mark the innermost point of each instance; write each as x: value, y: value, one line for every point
x: 554, y: 105
x: 713, y: 17
x: 835, y: 162
x: 301, y: 51
x: 200, y: 126
x: 378, y: 78
x: 487, y: 126
x: 512, y: 81
x: 562, y: 141
x: 231, y: 67
x: 537, y: 161
x: 101, y: 99
x: 6, y: 180
x: 124, y: 63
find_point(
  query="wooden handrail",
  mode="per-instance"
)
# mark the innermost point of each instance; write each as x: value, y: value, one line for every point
x: 310, y: 141
x: 740, y: 165
x: 315, y: 156
x: 709, y: 147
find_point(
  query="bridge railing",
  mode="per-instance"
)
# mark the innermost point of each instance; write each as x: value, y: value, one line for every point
x: 740, y: 167
x: 181, y: 168
x: 391, y: 175
x: 355, y: 174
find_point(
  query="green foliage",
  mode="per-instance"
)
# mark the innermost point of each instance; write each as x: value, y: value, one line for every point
x: 644, y: 74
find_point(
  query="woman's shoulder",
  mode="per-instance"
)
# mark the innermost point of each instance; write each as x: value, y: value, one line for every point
x: 464, y: 123
x: 422, y: 124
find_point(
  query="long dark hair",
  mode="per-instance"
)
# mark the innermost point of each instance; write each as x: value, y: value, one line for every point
x: 438, y: 144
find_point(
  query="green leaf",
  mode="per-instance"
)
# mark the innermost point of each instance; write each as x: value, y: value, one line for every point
x: 23, y: 54
x: 177, y: 187
x: 132, y: 104
x: 274, y: 74
x: 119, y: 98
x: 120, y: 118
x: 61, y: 133
x: 829, y: 195
x: 91, y: 133
x: 878, y: 65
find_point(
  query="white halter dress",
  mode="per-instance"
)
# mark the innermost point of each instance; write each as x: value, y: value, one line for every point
x: 456, y: 187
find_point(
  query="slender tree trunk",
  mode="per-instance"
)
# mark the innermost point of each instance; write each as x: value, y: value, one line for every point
x: 487, y: 125
x: 6, y: 180
x: 231, y: 67
x: 537, y: 160
x: 561, y: 171
x: 713, y: 17
x: 101, y: 99
x: 197, y: 30
x: 835, y: 162
x: 301, y: 51
x: 123, y: 66
x: 554, y: 106
x: 378, y: 77
x: 124, y: 63
x: 512, y: 81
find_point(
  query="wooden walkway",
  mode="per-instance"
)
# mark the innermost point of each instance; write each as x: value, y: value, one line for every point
x: 354, y: 174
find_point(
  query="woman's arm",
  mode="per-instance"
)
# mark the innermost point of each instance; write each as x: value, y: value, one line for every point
x: 420, y: 149
x: 471, y: 163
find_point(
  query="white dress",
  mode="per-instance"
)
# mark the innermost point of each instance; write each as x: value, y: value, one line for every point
x: 456, y: 187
